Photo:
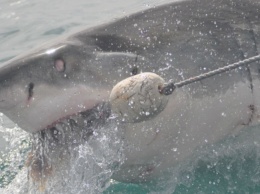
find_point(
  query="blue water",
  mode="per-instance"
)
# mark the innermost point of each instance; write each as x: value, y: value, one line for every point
x: 231, y: 166
x: 25, y: 24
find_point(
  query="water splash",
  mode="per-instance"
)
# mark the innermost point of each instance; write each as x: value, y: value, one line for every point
x: 64, y: 159
x: 16, y: 144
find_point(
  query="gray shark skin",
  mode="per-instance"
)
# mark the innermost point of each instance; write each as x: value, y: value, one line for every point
x: 178, y: 40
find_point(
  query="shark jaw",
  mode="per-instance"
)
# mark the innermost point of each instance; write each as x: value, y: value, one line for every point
x: 50, y: 105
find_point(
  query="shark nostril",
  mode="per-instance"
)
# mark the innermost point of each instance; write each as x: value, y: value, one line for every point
x: 30, y: 90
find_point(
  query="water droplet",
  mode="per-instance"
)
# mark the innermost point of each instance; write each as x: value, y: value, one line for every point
x: 223, y: 114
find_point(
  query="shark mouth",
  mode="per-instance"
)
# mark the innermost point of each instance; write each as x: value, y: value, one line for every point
x: 82, y: 124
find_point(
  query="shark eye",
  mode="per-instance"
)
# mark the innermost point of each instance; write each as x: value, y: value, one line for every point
x: 59, y: 65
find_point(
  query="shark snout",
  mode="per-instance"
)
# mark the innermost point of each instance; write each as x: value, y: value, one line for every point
x: 11, y: 97
x: 37, y: 106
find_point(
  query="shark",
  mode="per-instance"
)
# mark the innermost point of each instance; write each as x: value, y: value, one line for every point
x: 67, y: 82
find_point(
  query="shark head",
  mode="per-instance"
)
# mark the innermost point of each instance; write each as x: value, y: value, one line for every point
x: 54, y: 82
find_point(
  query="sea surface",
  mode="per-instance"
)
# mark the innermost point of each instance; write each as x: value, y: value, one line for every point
x: 231, y: 166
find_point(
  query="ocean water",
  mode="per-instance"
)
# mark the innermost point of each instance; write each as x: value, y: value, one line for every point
x: 231, y: 166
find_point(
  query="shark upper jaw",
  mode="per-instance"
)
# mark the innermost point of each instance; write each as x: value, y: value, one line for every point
x: 51, y: 105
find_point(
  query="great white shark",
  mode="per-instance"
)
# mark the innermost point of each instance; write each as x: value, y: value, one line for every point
x: 69, y: 78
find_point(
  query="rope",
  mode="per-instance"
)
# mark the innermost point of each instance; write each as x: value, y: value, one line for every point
x: 170, y: 87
